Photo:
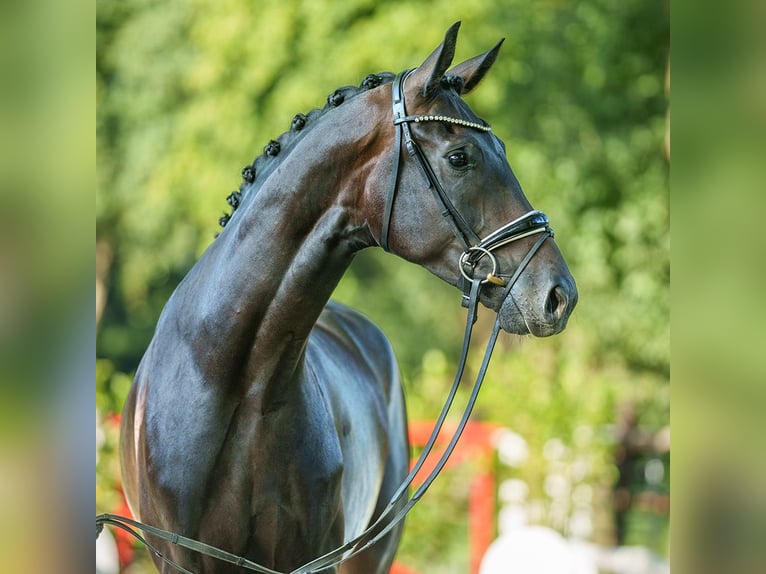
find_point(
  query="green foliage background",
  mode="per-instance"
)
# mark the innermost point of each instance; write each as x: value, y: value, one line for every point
x: 189, y: 92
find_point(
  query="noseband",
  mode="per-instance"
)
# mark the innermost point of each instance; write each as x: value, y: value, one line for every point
x: 475, y: 249
x: 470, y: 281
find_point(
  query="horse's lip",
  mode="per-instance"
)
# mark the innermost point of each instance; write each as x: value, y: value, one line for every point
x: 544, y: 329
x: 492, y: 297
x: 522, y: 326
x: 510, y: 316
x: 514, y: 320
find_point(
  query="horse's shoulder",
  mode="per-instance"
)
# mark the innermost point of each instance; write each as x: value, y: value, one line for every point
x: 341, y: 327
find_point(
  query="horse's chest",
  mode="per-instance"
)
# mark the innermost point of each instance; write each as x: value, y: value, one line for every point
x: 297, y: 481
x: 298, y: 456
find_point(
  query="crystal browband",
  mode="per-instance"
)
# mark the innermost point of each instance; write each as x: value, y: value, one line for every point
x: 448, y: 119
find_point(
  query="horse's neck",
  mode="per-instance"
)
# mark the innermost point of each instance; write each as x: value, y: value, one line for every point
x: 249, y: 304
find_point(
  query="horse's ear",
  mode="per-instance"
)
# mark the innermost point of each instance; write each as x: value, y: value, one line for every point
x: 472, y: 71
x: 428, y: 75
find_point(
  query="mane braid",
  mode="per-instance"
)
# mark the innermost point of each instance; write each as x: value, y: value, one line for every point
x: 275, y: 150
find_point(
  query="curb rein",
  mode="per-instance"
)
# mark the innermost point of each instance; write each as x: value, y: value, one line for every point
x: 476, y: 249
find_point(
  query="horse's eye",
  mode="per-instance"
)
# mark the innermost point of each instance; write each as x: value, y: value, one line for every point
x: 458, y: 159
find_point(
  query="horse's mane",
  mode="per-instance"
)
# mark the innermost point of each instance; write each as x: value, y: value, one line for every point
x: 264, y: 163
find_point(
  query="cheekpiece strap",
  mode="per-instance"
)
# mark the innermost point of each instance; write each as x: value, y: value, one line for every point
x: 457, y: 223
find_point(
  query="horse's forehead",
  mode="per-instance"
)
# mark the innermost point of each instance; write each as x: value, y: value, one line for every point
x: 465, y: 111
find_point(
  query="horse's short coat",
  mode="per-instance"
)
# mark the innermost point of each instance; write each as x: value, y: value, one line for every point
x: 268, y: 422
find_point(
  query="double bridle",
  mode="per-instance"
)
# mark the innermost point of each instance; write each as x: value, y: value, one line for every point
x: 471, y: 282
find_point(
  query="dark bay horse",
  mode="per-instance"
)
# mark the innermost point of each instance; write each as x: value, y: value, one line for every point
x: 270, y: 423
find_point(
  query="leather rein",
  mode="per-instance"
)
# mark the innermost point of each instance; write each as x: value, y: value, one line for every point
x: 476, y: 249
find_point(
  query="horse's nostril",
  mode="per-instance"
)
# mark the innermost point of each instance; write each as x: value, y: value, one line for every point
x: 556, y: 304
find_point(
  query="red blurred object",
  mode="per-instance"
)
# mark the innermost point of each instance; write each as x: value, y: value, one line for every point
x: 475, y: 444
x: 125, y: 541
x: 399, y: 568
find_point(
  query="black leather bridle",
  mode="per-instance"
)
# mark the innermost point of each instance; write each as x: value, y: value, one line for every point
x: 476, y: 248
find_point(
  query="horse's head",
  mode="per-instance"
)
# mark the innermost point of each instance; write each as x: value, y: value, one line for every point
x: 454, y: 206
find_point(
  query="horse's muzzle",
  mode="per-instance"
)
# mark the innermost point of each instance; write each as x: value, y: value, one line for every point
x: 539, y: 311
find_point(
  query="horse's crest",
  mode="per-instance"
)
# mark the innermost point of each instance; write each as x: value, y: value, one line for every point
x: 298, y: 123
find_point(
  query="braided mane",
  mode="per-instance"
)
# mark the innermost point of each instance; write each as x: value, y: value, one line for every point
x: 265, y: 162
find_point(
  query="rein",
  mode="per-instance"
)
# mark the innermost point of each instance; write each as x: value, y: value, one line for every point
x: 476, y: 249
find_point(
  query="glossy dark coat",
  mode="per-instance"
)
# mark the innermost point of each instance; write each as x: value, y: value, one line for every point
x: 271, y: 423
